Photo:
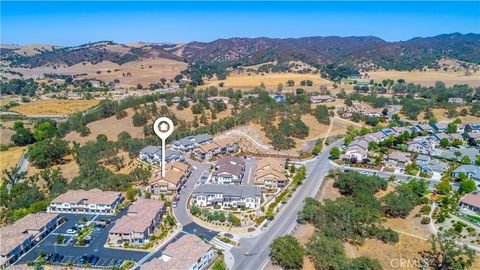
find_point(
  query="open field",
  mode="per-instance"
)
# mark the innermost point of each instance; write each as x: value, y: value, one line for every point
x: 54, y: 107
x: 69, y: 168
x: 271, y: 81
x: 441, y: 116
x: 110, y: 126
x: 427, y: 78
x: 144, y: 71
x: 5, y: 135
x: 10, y: 158
x: 187, y: 114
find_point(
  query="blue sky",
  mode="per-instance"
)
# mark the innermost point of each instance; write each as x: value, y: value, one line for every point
x: 73, y: 23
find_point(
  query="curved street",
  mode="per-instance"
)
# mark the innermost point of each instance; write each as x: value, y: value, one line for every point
x: 253, y: 251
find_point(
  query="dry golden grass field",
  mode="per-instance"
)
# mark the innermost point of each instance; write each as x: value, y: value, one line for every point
x: 271, y: 81
x: 187, y: 114
x: 144, y: 71
x: 428, y: 78
x: 110, y: 126
x: 54, y: 107
x: 10, y: 158
x: 69, y: 168
x: 441, y: 116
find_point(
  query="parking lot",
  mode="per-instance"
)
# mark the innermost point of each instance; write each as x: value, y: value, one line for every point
x: 95, y: 251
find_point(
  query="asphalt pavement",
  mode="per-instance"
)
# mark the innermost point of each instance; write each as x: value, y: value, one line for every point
x: 253, y: 253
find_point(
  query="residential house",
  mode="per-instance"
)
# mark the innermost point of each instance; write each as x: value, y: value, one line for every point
x: 399, y: 159
x: 19, y: 237
x: 229, y: 170
x: 377, y: 137
x: 189, y: 252
x: 423, y: 145
x: 471, y: 201
x: 452, y: 153
x: 440, y: 127
x: 431, y: 165
x: 471, y: 171
x: 321, y: 99
x: 450, y: 137
x: 227, y: 146
x: 176, y: 174
x: 227, y: 196
x: 472, y: 128
x: 472, y: 136
x: 270, y: 174
x: 94, y: 201
x: 424, y: 128
x: 389, y: 132
x: 225, y: 100
x: 456, y: 101
x: 206, y: 151
x: 153, y: 155
x: 355, y: 153
x: 140, y: 221
x: 278, y: 98
x: 190, y: 142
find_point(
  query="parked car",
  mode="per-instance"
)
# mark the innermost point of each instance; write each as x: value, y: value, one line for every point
x: 83, y: 259
x: 71, y: 231
x: 174, y: 204
x: 94, y: 260
x: 228, y: 235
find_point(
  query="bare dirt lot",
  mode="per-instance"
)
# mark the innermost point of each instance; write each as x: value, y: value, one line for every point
x: 428, y: 78
x: 271, y: 81
x: 54, y: 107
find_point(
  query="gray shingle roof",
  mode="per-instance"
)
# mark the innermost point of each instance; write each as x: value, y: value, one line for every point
x: 473, y: 169
x: 243, y: 191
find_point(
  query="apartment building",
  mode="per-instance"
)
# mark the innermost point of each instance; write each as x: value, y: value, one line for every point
x: 141, y: 220
x: 21, y: 236
x: 229, y: 170
x: 153, y: 155
x: 270, y: 174
x: 187, y: 253
x: 248, y: 196
x: 188, y: 143
x: 94, y: 201
x: 176, y: 174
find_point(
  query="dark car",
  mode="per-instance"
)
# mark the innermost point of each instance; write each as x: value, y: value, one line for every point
x: 94, y: 260
x: 59, y: 258
x: 53, y: 257
x: 118, y: 263
x: 229, y: 235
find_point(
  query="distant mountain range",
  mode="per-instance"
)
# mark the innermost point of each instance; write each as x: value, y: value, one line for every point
x: 319, y: 51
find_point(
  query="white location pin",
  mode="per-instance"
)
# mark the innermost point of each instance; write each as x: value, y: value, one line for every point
x: 163, y: 127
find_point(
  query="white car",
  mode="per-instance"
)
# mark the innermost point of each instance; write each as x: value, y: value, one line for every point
x: 71, y: 231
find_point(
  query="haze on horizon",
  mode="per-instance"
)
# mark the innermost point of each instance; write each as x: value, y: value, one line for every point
x: 75, y: 23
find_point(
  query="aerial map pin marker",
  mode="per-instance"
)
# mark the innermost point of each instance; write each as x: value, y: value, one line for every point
x: 163, y: 127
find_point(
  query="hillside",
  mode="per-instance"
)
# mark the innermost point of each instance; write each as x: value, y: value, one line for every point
x: 335, y: 56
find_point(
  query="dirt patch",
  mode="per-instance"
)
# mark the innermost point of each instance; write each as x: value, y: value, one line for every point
x: 410, y: 224
x: 110, y: 126
x: 407, y: 248
x: 54, y: 107
x: 328, y: 192
x: 6, y: 135
x: 10, y: 158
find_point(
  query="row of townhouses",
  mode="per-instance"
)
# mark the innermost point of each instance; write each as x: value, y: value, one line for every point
x: 94, y: 201
x: 176, y: 174
x: 143, y: 217
x: 229, y: 170
x: 270, y: 174
x: 18, y: 238
x: 153, y: 155
x: 188, y: 252
x: 227, y: 196
x: 213, y: 149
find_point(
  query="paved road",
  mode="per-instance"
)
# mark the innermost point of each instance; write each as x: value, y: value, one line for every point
x: 180, y: 211
x: 253, y: 253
